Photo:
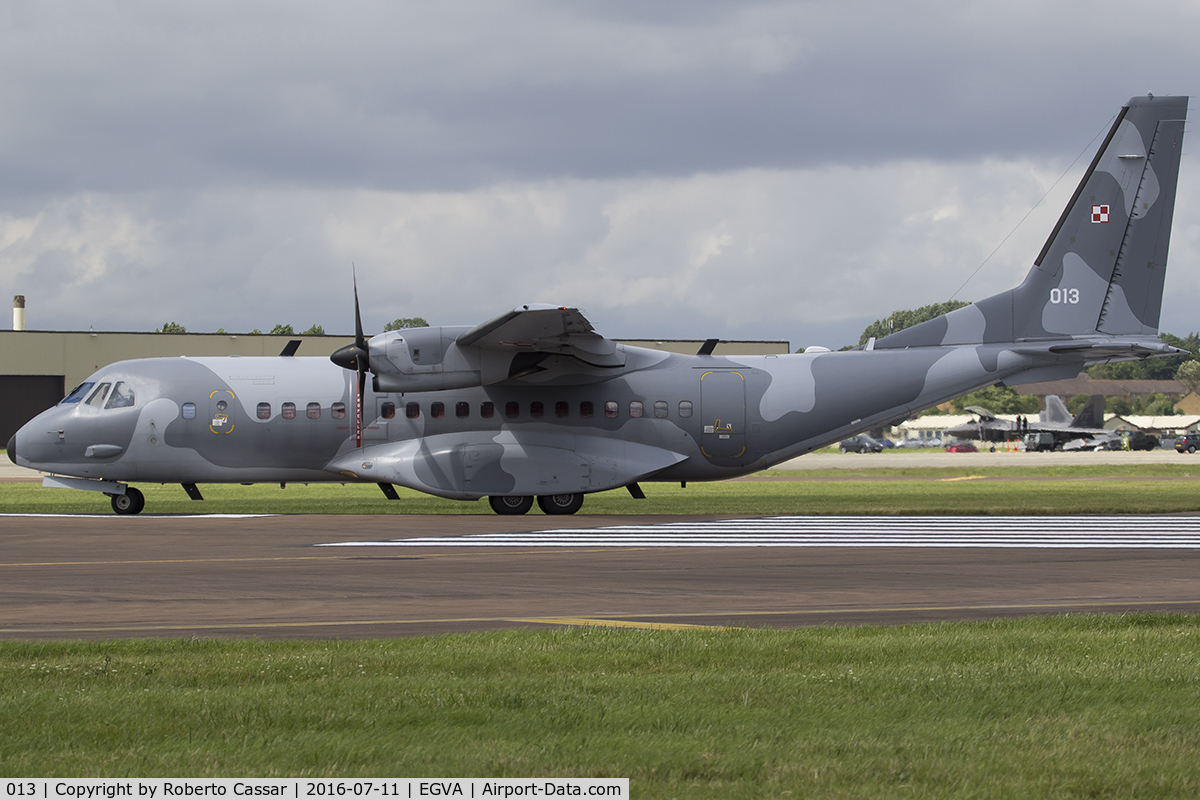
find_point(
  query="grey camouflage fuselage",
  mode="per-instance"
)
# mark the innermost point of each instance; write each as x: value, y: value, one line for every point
x: 1093, y: 295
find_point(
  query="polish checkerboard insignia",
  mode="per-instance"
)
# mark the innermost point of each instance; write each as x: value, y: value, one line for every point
x: 1099, y: 213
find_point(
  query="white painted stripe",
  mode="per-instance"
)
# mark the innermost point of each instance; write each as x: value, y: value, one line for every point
x: 1011, y: 532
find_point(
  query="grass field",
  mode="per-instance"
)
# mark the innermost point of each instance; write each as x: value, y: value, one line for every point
x: 1088, y: 706
x: 1073, y: 706
x: 1100, y: 489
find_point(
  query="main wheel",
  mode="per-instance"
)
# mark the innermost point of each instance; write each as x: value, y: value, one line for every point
x: 132, y: 502
x: 560, y: 503
x: 510, y: 504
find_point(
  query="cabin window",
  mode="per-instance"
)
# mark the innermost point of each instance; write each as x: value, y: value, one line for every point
x: 586, y: 409
x: 660, y: 409
x: 338, y: 411
x: 264, y: 410
x: 685, y: 408
x: 487, y: 409
x: 189, y: 410
x: 288, y: 411
x: 78, y: 393
x: 97, y: 398
x: 635, y: 408
x: 122, y: 396
x: 412, y: 410
x: 313, y: 410
x: 387, y: 410
x: 610, y: 409
x: 562, y: 408
x: 536, y: 409
x: 462, y: 409
x: 512, y: 409
x: 437, y: 410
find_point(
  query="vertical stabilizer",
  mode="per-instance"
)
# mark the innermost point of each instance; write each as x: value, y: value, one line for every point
x: 1102, y: 269
x: 1092, y: 413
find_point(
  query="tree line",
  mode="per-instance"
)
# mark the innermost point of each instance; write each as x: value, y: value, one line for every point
x: 399, y: 323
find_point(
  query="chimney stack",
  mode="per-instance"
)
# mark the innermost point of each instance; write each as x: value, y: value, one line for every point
x: 19, y: 312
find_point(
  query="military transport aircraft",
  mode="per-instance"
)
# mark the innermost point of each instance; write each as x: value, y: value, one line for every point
x: 535, y: 403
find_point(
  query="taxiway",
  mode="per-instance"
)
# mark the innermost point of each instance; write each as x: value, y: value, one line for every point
x: 114, y: 577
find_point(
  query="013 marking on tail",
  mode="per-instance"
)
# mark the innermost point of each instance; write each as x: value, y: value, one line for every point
x: 536, y: 404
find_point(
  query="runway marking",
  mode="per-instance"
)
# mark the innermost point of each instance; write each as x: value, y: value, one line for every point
x: 614, y: 622
x: 1075, y: 532
x: 622, y: 623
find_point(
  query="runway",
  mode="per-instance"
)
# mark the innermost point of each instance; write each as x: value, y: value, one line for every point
x: 116, y: 577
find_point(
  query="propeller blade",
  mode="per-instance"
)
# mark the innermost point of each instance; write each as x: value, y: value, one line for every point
x: 359, y: 340
x: 358, y: 411
x: 356, y: 357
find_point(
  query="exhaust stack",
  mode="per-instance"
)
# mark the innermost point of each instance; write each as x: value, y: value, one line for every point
x: 19, y: 312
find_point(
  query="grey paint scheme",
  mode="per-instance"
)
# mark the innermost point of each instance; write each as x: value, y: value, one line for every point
x: 1092, y: 296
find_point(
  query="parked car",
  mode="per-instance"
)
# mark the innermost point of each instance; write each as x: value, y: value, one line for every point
x: 1188, y: 443
x: 1140, y: 440
x: 1039, y: 442
x: 961, y: 447
x: 861, y: 444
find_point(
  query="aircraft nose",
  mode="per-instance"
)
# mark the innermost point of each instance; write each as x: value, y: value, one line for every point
x: 12, y: 448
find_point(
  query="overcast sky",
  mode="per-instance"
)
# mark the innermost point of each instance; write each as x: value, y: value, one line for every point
x: 749, y: 170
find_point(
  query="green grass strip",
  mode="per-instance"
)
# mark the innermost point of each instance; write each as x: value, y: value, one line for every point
x: 1083, y: 489
x: 1082, y: 706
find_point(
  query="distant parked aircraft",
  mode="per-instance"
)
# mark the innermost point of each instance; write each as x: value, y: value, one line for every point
x: 1054, y: 420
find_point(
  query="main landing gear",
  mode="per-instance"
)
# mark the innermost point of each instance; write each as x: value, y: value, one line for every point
x: 132, y: 502
x: 548, y: 503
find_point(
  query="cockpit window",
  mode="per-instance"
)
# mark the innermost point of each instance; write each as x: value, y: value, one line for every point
x: 78, y: 393
x: 97, y: 397
x: 122, y: 396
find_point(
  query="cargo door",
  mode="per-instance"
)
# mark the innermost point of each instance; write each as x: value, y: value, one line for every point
x: 723, y: 410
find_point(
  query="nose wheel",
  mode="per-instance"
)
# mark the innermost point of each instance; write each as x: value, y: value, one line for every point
x: 132, y: 502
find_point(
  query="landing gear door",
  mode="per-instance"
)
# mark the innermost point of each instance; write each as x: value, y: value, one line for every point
x: 723, y: 410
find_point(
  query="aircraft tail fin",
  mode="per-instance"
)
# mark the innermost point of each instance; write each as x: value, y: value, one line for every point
x: 1102, y: 268
x: 1056, y: 412
x: 1092, y: 413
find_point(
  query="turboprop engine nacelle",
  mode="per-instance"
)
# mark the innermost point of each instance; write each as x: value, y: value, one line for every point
x: 430, y: 360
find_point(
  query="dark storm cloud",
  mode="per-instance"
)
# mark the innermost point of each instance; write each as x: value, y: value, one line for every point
x: 121, y: 97
x: 742, y: 170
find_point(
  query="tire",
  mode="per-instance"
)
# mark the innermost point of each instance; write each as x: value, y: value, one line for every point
x: 132, y: 502
x: 510, y: 504
x: 1191, y: 448
x: 560, y: 503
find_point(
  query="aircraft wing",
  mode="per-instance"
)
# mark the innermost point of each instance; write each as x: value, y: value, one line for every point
x: 545, y: 329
